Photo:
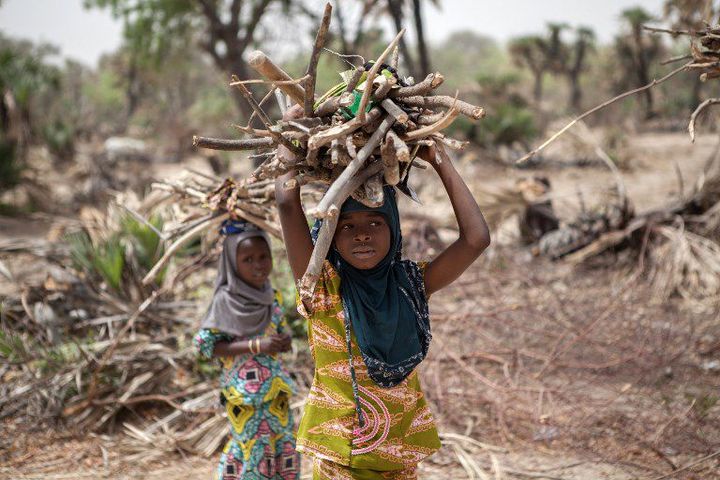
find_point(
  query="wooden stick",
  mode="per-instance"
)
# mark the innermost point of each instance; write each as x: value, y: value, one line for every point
x: 390, y: 159
x: 452, y: 143
x: 435, y: 127
x: 384, y: 86
x: 395, y: 61
x: 550, y: 140
x: 335, y: 151
x: 251, y: 100
x: 332, y: 104
x: 314, y: 57
x: 256, y: 81
x: 465, y: 108
x: 432, y: 81
x: 696, y: 113
x: 354, y: 79
x: 307, y: 283
x: 265, y: 119
x: 337, y: 131
x: 396, y: 112
x: 332, y: 197
x: 401, y: 149
x: 258, y: 132
x: 265, y: 67
x: 429, y: 119
x: 373, y: 71
x: 232, y: 145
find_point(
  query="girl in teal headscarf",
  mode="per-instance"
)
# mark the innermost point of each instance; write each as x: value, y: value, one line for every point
x: 368, y: 327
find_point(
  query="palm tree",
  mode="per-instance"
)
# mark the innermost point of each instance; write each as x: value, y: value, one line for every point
x: 637, y: 51
x: 584, y: 43
x: 530, y: 52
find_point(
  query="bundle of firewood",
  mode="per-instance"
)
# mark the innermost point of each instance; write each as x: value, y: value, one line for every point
x: 360, y: 135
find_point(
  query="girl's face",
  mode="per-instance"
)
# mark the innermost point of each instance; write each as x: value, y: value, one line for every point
x: 362, y: 238
x: 253, y: 261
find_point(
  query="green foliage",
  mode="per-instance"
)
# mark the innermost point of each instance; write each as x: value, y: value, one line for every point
x: 153, y: 27
x: 24, y: 71
x: 13, y: 347
x: 117, y: 255
x: 105, y: 259
x: 10, y: 168
x: 59, y: 136
x: 144, y: 241
x: 508, y: 124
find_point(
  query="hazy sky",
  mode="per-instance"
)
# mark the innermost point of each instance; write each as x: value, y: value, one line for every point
x: 85, y: 35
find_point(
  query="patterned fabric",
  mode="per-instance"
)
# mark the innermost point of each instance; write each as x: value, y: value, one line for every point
x: 327, y: 470
x: 256, y: 392
x: 398, y: 427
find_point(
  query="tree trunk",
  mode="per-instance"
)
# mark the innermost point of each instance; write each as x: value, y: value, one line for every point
x: 695, y: 93
x: 643, y: 73
x: 132, y: 93
x: 422, y: 44
x: 537, y: 90
x: 395, y: 7
x: 575, y: 92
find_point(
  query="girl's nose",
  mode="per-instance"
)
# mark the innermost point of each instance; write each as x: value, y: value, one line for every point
x: 362, y: 236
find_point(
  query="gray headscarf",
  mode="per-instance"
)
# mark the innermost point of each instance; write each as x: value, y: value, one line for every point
x: 238, y: 308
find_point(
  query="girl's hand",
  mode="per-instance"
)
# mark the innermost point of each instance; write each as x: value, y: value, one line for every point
x: 275, y: 344
x: 429, y: 154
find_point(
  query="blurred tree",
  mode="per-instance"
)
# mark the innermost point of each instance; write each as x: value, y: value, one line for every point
x: 530, y: 52
x: 353, y: 41
x: 690, y: 14
x: 556, y: 51
x: 224, y: 29
x: 397, y: 10
x: 24, y: 74
x: 584, y: 43
x: 637, y: 51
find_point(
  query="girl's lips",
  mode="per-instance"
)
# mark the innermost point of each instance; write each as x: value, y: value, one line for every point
x: 363, y: 252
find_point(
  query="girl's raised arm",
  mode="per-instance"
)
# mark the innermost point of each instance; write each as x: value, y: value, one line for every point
x: 474, y: 234
x: 296, y: 233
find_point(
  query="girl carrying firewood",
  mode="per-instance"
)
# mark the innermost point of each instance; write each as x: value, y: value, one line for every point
x: 368, y: 328
x: 245, y: 328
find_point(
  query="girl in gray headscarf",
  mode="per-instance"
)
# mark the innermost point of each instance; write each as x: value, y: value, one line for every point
x: 245, y: 328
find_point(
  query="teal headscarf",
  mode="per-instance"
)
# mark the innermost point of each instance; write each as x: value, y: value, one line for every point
x: 386, y: 304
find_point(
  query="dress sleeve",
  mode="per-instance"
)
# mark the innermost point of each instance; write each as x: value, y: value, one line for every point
x: 205, y: 340
x: 326, y: 288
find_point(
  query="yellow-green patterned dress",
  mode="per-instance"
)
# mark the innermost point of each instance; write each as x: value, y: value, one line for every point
x: 399, y: 428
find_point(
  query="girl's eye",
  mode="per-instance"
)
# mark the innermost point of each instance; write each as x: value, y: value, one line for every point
x: 347, y: 226
x: 376, y: 223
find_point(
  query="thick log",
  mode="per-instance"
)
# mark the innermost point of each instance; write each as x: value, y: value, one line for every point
x: 265, y: 67
x: 432, y: 81
x: 465, y: 108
